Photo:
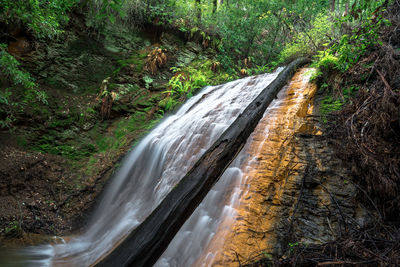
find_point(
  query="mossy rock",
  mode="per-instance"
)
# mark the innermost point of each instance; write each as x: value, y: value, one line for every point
x: 170, y: 42
x: 194, y: 47
x: 185, y: 57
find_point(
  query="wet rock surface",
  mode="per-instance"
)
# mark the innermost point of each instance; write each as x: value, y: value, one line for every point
x: 295, y: 191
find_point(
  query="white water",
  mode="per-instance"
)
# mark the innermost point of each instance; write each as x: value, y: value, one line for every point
x: 219, y: 204
x: 218, y: 210
x: 151, y: 170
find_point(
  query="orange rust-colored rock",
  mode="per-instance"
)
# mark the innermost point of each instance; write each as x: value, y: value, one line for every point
x: 251, y: 233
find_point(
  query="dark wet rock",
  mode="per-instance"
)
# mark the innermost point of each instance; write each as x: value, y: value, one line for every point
x: 170, y: 41
x: 185, y: 57
x: 194, y: 47
x: 325, y: 201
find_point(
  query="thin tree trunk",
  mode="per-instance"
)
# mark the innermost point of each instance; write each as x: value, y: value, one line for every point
x: 332, y: 5
x: 275, y: 36
x: 215, y: 6
x: 198, y: 7
x: 148, y: 8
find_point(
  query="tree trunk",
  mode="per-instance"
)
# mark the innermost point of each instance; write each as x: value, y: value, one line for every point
x: 332, y: 5
x: 198, y: 8
x: 147, y: 242
x: 215, y: 6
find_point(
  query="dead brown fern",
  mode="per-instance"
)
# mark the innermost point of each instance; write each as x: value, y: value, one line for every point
x: 155, y: 60
x: 215, y: 66
x: 106, y: 100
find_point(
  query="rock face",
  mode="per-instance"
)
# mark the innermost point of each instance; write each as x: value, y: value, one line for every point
x: 293, y: 191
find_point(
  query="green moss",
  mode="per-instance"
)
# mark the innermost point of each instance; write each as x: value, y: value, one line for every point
x: 329, y: 105
x: 137, y: 60
x: 71, y: 151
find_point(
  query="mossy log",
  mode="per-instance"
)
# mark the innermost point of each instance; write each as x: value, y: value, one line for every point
x: 147, y: 242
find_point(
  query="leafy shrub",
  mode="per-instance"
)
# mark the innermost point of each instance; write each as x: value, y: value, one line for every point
x: 11, y: 71
x: 328, y: 61
x: 42, y: 18
x: 10, y: 68
x: 102, y: 12
x: 180, y: 85
x: 310, y: 41
x: 352, y: 47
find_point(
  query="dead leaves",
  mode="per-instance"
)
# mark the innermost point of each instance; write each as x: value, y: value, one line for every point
x: 155, y: 60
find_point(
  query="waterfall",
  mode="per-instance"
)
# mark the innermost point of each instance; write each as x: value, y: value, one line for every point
x: 151, y: 170
x: 207, y: 236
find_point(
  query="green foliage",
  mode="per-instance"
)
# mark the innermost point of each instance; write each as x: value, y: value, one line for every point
x: 328, y: 61
x: 179, y: 85
x: 10, y: 67
x: 119, y: 137
x: 308, y: 42
x: 194, y: 77
x: 326, y: 64
x: 168, y: 103
x: 362, y: 34
x: 329, y: 105
x: 13, y: 228
x: 348, y: 48
x: 148, y: 81
x: 6, y: 109
x: 351, y: 47
x: 70, y: 151
x: 42, y: 18
x: 11, y: 70
x: 102, y: 12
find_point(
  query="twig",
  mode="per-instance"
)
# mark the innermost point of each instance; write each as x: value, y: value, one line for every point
x: 334, y: 200
x: 337, y: 263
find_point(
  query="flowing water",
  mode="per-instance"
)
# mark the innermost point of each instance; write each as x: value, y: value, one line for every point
x: 232, y: 222
x: 152, y: 169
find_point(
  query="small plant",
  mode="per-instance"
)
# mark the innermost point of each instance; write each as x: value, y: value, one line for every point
x: 328, y: 105
x: 215, y: 66
x: 13, y: 228
x: 106, y: 100
x: 292, y: 246
x: 155, y: 60
x: 179, y: 84
x: 243, y: 72
x: 10, y: 67
x: 148, y: 81
x: 9, y: 107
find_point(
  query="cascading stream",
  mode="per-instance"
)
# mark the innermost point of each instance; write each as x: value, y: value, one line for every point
x: 222, y: 229
x: 151, y: 170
